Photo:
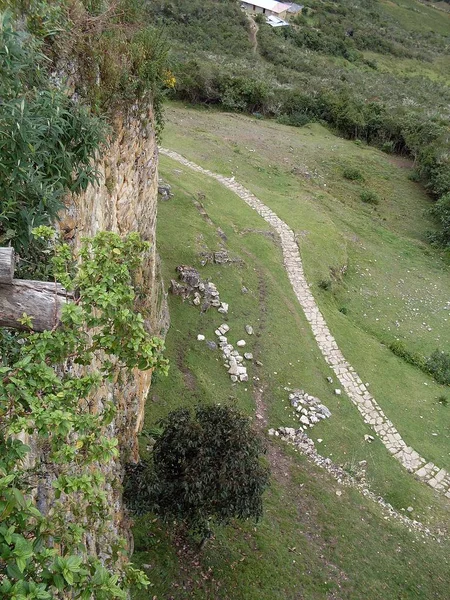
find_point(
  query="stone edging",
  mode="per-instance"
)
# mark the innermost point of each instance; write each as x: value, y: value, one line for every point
x: 373, y: 415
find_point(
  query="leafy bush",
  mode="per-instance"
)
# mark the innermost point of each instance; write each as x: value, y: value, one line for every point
x: 441, y: 211
x: 297, y: 119
x: 47, y: 142
x: 206, y: 467
x: 369, y: 197
x: 325, y: 284
x: 438, y: 364
x: 352, y: 174
x: 413, y: 358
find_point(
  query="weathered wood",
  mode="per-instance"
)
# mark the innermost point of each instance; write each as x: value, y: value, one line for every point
x: 7, y: 261
x: 42, y: 301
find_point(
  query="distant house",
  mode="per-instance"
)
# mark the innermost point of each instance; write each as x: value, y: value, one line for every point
x: 294, y: 9
x: 266, y: 7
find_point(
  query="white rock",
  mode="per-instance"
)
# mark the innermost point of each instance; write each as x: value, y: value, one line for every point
x: 233, y: 370
x: 234, y: 378
x: 338, y: 392
x: 200, y: 337
x: 222, y: 338
x: 368, y: 438
x: 271, y: 432
x: 249, y: 329
x: 304, y: 419
x: 248, y: 356
x: 218, y: 333
x: 224, y: 327
x: 410, y: 509
x: 240, y: 343
x: 243, y: 377
x: 319, y: 440
x: 330, y: 379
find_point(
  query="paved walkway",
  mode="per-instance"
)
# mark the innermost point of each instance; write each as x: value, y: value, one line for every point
x: 437, y: 478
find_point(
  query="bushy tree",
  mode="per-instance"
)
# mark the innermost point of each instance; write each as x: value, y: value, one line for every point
x: 206, y: 467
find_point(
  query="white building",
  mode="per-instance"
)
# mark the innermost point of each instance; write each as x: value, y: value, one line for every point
x: 266, y: 7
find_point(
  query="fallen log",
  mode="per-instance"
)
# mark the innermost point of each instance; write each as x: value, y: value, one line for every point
x: 40, y: 300
x: 7, y: 262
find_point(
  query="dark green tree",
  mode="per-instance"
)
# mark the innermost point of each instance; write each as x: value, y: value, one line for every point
x: 206, y: 468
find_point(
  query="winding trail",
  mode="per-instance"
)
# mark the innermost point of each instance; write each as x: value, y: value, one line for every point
x: 373, y: 415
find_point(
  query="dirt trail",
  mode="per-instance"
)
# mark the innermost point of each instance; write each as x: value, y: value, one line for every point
x: 253, y: 33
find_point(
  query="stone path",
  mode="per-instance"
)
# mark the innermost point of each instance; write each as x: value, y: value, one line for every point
x: 437, y: 478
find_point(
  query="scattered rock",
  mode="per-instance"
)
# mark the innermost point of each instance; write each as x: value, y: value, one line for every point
x: 200, y: 337
x: 234, y: 378
x: 223, y: 308
x: 368, y: 438
x: 244, y: 290
x: 164, y: 190
x: 233, y: 370
x: 249, y: 329
x: 221, y: 257
x: 212, y: 345
x: 240, y: 343
x: 304, y: 419
x: 330, y: 379
x: 338, y: 493
x: 338, y: 392
x: 410, y: 509
x: 248, y: 356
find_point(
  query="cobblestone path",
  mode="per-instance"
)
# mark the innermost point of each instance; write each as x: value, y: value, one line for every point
x: 437, y: 478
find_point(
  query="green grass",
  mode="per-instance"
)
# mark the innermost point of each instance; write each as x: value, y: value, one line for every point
x: 342, y: 545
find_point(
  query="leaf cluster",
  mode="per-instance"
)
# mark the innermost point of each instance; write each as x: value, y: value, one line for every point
x: 46, y: 385
x: 205, y: 467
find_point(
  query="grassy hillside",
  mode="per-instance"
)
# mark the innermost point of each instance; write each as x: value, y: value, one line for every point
x: 365, y: 68
x: 311, y: 543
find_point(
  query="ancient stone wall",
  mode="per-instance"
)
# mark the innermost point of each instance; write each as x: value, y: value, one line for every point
x: 125, y: 200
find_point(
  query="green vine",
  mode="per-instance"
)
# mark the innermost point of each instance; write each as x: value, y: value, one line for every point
x: 46, y: 384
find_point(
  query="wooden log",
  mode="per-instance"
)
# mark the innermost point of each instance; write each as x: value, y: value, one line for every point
x: 40, y: 300
x: 7, y: 261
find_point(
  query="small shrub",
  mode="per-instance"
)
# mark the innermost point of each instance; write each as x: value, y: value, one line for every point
x: 438, y: 365
x: 325, y: 284
x: 369, y: 197
x: 443, y: 400
x: 414, y: 176
x: 297, y: 119
x: 413, y: 358
x: 343, y: 310
x: 352, y: 174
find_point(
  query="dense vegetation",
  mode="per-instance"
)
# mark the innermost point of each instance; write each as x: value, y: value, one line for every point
x: 49, y: 138
x: 43, y: 552
x: 205, y: 469
x: 339, y: 62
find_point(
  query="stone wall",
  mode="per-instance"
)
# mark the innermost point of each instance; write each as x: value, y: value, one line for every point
x: 123, y: 200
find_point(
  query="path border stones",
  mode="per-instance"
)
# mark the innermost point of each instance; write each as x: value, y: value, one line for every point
x: 373, y: 415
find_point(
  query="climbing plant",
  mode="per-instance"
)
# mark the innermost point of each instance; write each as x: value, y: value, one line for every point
x: 47, y: 381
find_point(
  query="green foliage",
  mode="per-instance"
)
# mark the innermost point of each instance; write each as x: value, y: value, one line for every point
x: 438, y: 364
x: 413, y: 358
x: 297, y: 119
x: 369, y: 197
x: 352, y: 174
x: 325, y: 284
x: 441, y: 211
x: 47, y: 142
x: 206, y: 467
x: 43, y: 554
